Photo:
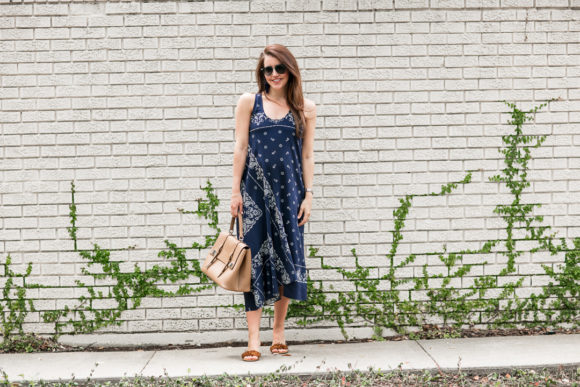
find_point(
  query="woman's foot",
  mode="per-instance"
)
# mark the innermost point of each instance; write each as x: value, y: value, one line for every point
x: 251, y: 355
x: 279, y: 348
x: 278, y: 342
x: 253, y: 345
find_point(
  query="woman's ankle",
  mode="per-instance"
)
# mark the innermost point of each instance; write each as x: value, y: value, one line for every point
x: 278, y: 336
x: 254, y: 339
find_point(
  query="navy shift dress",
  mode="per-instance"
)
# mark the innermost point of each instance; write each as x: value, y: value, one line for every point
x: 272, y: 189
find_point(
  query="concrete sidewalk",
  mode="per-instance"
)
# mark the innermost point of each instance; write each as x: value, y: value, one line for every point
x: 485, y: 354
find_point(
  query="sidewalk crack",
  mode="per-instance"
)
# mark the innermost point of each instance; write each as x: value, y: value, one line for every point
x: 147, y: 363
x: 432, y: 358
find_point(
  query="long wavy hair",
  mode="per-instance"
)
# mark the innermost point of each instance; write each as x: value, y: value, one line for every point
x: 294, y: 95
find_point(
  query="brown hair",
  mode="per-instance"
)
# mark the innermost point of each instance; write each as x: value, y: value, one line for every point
x: 294, y: 95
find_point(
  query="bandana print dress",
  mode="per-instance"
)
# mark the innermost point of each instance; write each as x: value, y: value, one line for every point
x: 272, y: 190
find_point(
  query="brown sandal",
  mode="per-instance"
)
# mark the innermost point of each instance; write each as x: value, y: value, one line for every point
x: 251, y: 353
x: 279, y: 346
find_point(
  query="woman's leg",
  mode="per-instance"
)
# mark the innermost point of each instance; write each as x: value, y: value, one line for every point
x: 253, y: 317
x: 280, y: 310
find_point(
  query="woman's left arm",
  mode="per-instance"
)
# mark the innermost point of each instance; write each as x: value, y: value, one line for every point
x: 308, y: 159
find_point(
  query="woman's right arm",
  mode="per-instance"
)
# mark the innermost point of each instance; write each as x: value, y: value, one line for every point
x: 243, y: 112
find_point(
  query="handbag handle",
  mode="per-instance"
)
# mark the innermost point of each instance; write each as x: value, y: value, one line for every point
x: 240, y: 224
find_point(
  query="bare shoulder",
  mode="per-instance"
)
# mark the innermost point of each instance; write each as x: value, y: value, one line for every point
x: 246, y: 102
x: 309, y: 108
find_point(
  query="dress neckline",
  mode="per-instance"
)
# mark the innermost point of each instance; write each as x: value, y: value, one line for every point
x: 268, y: 117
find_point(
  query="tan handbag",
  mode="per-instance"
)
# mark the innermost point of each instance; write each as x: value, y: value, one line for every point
x: 229, y: 262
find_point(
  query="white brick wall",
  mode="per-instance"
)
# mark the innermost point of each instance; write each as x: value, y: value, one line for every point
x: 134, y: 101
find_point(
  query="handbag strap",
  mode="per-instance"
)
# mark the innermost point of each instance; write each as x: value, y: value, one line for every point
x: 240, y: 224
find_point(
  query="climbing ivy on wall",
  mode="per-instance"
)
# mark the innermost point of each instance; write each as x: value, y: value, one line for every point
x: 381, y: 301
x: 14, y: 306
x: 390, y: 307
x: 130, y: 288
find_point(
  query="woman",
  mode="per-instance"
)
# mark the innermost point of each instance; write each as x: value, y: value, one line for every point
x: 273, y: 168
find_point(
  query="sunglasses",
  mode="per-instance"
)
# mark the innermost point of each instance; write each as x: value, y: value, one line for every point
x: 280, y: 69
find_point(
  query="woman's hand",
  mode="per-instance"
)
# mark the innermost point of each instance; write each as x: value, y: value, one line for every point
x: 305, y: 208
x: 236, y: 204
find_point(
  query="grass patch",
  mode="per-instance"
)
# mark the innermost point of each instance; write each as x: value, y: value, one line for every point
x: 371, y: 377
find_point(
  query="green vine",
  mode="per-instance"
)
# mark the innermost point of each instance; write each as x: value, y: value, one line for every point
x: 383, y: 306
x: 72, y: 231
x: 14, y: 307
x: 375, y: 303
x: 130, y: 288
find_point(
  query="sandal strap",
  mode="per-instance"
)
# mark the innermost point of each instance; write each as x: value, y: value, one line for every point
x: 279, y: 348
x: 251, y: 353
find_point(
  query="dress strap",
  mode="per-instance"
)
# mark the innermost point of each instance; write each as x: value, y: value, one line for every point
x: 257, y: 102
x: 260, y: 105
